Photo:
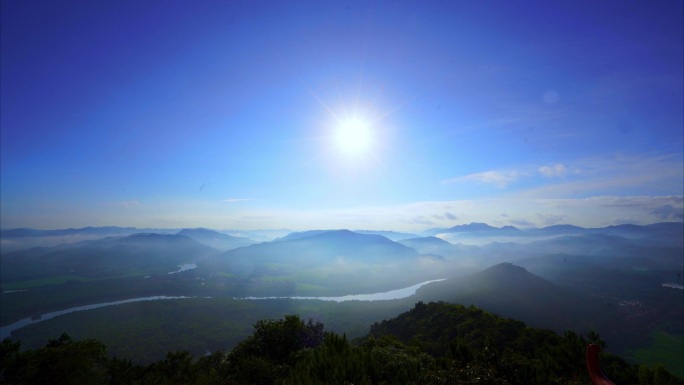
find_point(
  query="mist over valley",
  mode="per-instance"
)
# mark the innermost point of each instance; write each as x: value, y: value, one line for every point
x: 318, y: 192
x: 609, y: 280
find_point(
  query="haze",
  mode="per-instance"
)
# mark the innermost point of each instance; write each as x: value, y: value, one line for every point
x: 178, y: 176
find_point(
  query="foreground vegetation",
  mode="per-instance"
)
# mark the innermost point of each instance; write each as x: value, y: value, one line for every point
x: 434, y: 343
x: 666, y: 349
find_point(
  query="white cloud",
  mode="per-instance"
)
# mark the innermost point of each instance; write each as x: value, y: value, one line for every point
x: 522, y: 223
x: 500, y: 179
x: 551, y: 171
x: 446, y: 215
x: 669, y: 213
x: 617, y: 174
x: 595, y: 211
x: 550, y: 219
x: 421, y: 220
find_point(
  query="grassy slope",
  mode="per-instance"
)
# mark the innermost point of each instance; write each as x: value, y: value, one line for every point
x: 666, y: 348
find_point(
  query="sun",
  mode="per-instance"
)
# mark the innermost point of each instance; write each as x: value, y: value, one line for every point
x: 354, y: 136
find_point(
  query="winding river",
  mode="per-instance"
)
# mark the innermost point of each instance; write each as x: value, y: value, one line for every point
x: 6, y: 331
x: 388, y: 295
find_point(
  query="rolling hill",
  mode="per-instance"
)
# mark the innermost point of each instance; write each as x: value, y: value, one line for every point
x: 511, y: 291
x: 318, y: 248
x: 137, y: 254
x: 218, y: 241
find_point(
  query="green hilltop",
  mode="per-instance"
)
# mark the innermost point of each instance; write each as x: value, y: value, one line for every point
x: 433, y: 343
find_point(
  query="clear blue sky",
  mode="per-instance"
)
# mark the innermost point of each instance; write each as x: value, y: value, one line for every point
x: 225, y: 114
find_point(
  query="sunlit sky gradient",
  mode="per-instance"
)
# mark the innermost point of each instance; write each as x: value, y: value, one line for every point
x: 223, y: 114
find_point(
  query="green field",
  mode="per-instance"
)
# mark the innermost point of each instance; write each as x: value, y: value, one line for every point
x: 666, y: 348
x: 60, y: 279
x: 20, y: 285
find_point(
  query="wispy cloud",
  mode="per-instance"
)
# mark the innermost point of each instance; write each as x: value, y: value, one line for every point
x: 557, y: 170
x: 446, y: 215
x: 500, y: 179
x: 421, y: 220
x: 522, y: 223
x: 521, y: 211
x: 616, y: 174
x: 550, y: 219
x: 669, y: 213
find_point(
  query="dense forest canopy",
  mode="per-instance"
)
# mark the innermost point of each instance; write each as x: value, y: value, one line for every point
x: 433, y: 343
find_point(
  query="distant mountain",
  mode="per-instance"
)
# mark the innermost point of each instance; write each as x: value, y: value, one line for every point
x: 616, y: 276
x: 144, y: 253
x: 609, y: 246
x: 102, y: 231
x: 438, y: 246
x: 219, y: 241
x: 623, y: 229
x: 662, y: 234
x: 24, y: 238
x: 316, y: 249
x: 301, y: 234
x: 392, y: 235
x: 558, y: 230
x: 511, y: 291
x: 676, y: 227
x: 587, y: 244
x: 26, y: 232
x: 480, y: 229
x: 262, y: 235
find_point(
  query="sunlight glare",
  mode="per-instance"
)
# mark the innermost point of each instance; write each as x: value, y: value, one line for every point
x: 353, y: 136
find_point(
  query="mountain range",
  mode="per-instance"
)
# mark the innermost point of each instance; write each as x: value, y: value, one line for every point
x: 560, y: 277
x: 660, y: 232
x: 313, y: 248
x: 219, y: 241
x: 139, y: 254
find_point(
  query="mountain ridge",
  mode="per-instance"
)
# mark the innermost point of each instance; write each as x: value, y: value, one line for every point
x: 512, y: 291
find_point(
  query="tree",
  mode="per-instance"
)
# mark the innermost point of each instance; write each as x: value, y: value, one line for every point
x: 268, y: 354
x: 61, y: 361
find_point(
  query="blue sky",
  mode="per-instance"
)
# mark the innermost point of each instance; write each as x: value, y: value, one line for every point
x: 225, y: 114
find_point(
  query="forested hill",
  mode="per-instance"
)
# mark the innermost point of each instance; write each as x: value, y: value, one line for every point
x: 512, y: 291
x: 434, y: 343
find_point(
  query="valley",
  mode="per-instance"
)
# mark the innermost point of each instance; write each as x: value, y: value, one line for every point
x: 605, y: 280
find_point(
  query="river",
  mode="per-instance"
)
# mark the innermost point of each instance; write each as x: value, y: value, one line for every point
x: 185, y: 267
x: 388, y: 295
x: 6, y: 331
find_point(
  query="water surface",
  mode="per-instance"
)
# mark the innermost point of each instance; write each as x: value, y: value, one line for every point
x: 182, y: 268
x: 6, y: 331
x: 388, y: 295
